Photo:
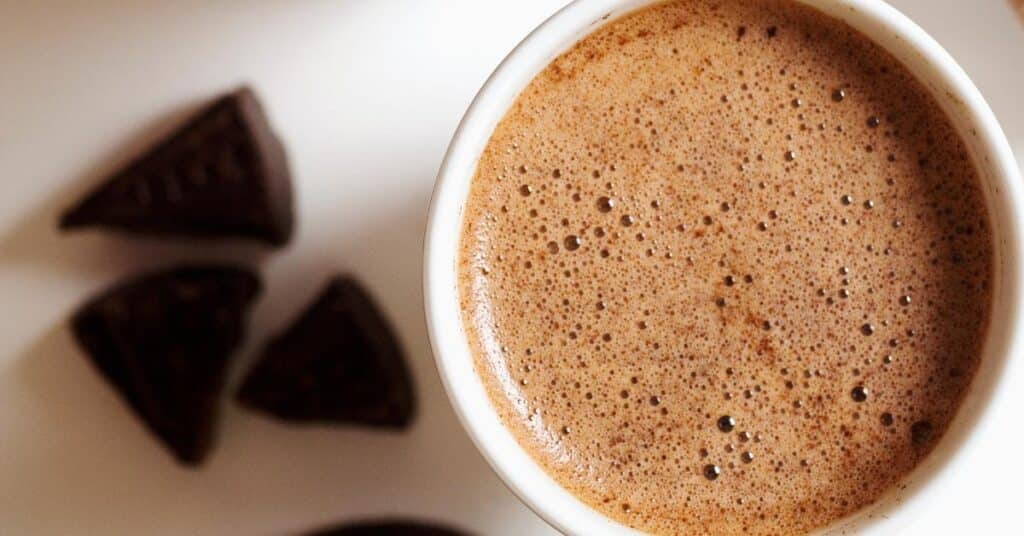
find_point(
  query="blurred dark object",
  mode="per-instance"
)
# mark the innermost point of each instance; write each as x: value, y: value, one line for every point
x: 387, y: 528
x: 339, y: 362
x: 163, y: 340
x: 222, y: 174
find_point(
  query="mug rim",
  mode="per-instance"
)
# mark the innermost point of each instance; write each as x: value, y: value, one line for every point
x: 572, y: 23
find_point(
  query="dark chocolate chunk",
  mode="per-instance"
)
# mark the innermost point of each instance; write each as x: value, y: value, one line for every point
x: 222, y: 174
x: 339, y: 362
x: 163, y: 341
x: 387, y: 528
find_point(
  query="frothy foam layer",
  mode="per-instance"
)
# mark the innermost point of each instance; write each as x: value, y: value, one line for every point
x: 724, y: 269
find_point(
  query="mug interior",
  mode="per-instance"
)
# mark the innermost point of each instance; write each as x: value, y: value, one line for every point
x: 925, y: 58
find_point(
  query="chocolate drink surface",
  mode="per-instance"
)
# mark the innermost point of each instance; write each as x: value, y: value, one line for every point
x: 725, y: 268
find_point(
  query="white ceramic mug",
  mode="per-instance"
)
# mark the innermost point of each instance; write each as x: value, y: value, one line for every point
x: 928, y: 61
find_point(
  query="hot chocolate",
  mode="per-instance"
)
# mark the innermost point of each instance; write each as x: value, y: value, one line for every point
x: 725, y: 268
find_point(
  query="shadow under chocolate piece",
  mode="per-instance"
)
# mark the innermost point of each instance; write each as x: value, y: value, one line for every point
x: 163, y: 340
x: 387, y: 528
x: 223, y: 174
x: 339, y: 362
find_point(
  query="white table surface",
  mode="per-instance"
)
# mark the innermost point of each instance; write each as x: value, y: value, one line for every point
x: 366, y: 94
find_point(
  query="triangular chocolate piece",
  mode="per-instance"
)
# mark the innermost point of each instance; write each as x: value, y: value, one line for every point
x: 388, y: 528
x: 222, y: 174
x: 340, y: 362
x: 163, y: 340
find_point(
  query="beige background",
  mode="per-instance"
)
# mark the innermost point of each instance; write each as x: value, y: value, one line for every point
x: 366, y: 95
